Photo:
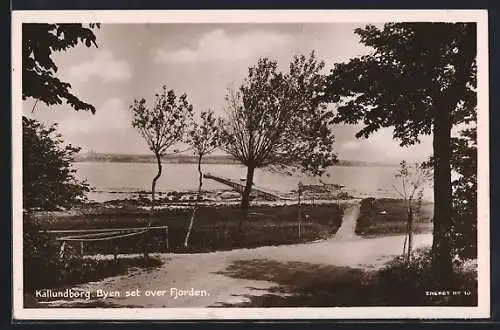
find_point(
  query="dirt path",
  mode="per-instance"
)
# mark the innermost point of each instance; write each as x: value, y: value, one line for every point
x: 348, y: 226
x: 202, y: 271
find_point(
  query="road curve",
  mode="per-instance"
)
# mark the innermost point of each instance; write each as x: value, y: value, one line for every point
x: 201, y: 271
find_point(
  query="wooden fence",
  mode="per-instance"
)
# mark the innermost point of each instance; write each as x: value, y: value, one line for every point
x: 88, y: 236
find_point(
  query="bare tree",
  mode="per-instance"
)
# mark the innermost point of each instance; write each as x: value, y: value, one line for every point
x: 413, y: 180
x: 279, y: 120
x: 162, y: 126
x: 204, y: 138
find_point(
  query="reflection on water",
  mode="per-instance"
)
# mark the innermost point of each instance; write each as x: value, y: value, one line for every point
x: 360, y: 181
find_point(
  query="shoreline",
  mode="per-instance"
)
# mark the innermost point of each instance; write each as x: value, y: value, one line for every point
x: 139, y: 201
x: 229, y: 197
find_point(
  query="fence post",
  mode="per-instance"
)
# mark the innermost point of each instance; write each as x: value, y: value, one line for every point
x: 299, y: 211
x: 166, y: 239
x: 404, y: 246
x: 61, y: 250
x: 81, y: 248
x: 116, y: 254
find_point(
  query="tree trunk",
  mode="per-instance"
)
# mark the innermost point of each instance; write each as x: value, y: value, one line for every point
x: 441, y: 245
x: 446, y: 102
x: 410, y: 233
x: 245, y: 200
x: 404, y: 248
x: 147, y: 236
x: 198, y: 196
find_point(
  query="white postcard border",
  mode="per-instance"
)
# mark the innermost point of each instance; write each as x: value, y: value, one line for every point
x: 256, y: 16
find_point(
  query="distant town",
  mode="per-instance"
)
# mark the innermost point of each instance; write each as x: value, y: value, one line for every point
x: 188, y: 159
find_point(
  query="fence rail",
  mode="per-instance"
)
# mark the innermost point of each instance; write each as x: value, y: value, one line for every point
x: 104, y: 234
x: 96, y: 239
x: 100, y: 230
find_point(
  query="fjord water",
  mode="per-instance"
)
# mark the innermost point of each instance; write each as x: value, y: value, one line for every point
x: 105, y: 177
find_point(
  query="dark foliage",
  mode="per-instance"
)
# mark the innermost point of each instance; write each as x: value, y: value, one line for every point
x: 44, y: 269
x: 49, y: 180
x: 400, y: 84
x: 464, y: 225
x: 367, y: 211
x: 39, y: 42
x: 464, y: 220
x: 384, y: 216
x: 420, y: 79
x: 412, y: 280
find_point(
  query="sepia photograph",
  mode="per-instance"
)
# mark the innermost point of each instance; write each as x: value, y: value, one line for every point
x: 250, y: 164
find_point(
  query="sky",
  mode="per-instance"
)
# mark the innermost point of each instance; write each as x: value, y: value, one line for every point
x: 203, y: 61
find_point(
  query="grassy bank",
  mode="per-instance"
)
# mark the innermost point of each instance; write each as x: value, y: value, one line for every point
x: 385, y: 216
x: 215, y: 227
x: 75, y: 270
x: 66, y: 273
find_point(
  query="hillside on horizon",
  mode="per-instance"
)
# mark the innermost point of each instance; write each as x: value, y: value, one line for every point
x: 190, y: 159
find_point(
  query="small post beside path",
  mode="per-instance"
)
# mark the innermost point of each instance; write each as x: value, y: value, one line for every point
x: 299, y: 213
x: 166, y: 239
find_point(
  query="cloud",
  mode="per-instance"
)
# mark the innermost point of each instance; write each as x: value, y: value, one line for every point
x: 379, y: 147
x: 108, y: 130
x: 382, y: 146
x: 350, y: 145
x: 111, y: 115
x: 103, y: 66
x: 218, y: 45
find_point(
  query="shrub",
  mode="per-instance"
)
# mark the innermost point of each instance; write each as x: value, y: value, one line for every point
x: 412, y: 283
x: 49, y: 180
x: 365, y: 214
x: 39, y: 254
x: 344, y: 195
x: 43, y: 268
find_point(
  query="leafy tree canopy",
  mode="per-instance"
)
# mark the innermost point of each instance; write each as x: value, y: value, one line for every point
x: 164, y: 123
x: 204, y: 136
x: 414, y: 69
x: 464, y: 217
x: 279, y: 119
x: 464, y: 162
x: 39, y: 43
x: 49, y: 181
x: 419, y: 79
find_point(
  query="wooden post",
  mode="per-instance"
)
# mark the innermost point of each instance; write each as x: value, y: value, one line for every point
x: 299, y: 215
x: 61, y: 250
x: 404, y: 247
x: 145, y: 242
x: 81, y: 248
x: 116, y: 254
x: 166, y: 239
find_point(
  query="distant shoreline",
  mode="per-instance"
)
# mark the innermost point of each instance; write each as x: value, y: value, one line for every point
x: 188, y: 159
